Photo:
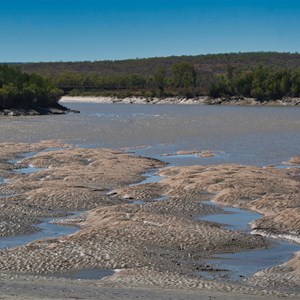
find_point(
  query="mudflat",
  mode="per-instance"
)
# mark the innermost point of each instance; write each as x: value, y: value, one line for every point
x: 159, y: 248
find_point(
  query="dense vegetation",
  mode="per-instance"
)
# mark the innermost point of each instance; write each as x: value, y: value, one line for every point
x: 176, y: 75
x: 206, y: 64
x: 182, y: 80
x: 262, y: 83
x: 22, y: 90
x: 262, y: 75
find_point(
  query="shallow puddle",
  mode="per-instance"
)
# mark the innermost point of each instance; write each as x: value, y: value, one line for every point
x: 47, y: 230
x: 85, y: 274
x: 22, y: 156
x: 235, y: 266
x: 231, y: 217
x: 29, y: 170
x: 246, y: 263
x: 150, y: 177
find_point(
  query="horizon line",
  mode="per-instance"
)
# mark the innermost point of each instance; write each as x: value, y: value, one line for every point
x: 150, y: 57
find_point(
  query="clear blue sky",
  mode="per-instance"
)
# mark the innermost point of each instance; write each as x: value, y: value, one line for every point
x: 72, y: 30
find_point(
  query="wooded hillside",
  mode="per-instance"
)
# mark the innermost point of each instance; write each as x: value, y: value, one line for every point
x: 211, y: 63
x: 189, y: 76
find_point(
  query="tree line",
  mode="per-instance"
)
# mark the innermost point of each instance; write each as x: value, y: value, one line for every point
x: 155, y: 76
x: 204, y: 64
x: 22, y: 90
x: 181, y: 81
x: 262, y: 83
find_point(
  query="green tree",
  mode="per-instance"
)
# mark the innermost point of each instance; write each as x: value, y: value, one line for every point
x: 18, y: 89
x: 295, y: 83
x: 243, y: 84
x: 221, y: 87
x: 184, y: 75
x: 258, y: 93
x: 160, y: 80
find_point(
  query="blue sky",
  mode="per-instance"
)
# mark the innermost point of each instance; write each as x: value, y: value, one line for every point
x: 72, y: 30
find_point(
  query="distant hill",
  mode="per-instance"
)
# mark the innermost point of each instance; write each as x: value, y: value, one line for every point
x: 189, y: 76
x: 211, y: 63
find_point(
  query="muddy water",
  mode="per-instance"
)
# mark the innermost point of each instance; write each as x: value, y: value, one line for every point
x: 247, y: 135
x: 235, y: 266
x: 47, y: 230
x: 232, y: 217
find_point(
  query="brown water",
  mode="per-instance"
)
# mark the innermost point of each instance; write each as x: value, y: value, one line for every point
x: 238, y: 265
x: 248, y: 135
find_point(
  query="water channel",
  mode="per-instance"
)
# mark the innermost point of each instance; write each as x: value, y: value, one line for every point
x: 245, y: 135
x: 235, y: 266
x: 47, y: 227
x: 238, y: 265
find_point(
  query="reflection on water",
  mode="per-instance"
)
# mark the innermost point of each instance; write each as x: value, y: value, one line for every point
x: 232, y: 217
x: 236, y: 265
x: 247, y: 135
x: 86, y: 274
x: 246, y: 263
x: 47, y: 230
x: 150, y: 177
x: 28, y: 170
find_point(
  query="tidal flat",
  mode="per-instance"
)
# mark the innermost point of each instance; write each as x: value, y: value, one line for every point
x: 156, y: 244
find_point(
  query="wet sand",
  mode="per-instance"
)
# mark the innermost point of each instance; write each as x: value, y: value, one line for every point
x: 157, y: 244
x: 37, y: 289
x: 295, y: 160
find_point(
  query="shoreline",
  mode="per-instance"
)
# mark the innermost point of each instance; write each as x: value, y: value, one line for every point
x: 36, y: 111
x: 201, y: 100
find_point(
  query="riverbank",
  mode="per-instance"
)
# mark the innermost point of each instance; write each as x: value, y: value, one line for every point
x: 202, y: 100
x: 35, y: 111
x: 156, y: 244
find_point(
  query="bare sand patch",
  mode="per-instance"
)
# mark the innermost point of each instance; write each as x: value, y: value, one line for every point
x: 295, y: 160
